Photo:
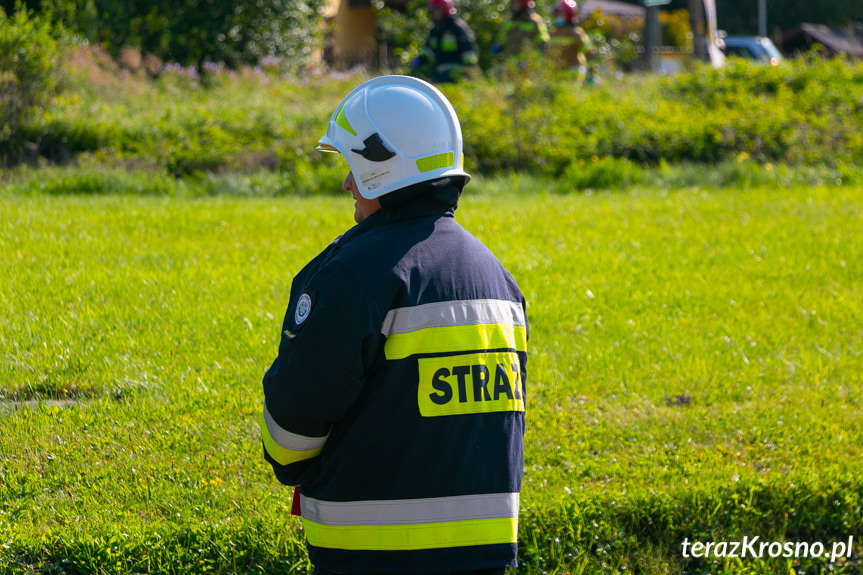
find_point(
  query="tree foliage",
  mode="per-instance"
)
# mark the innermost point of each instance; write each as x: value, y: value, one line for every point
x: 29, y: 71
x: 192, y: 32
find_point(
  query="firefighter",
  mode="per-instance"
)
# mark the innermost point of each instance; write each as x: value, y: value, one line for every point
x: 523, y: 34
x: 396, y: 402
x: 449, y: 54
x: 568, y: 39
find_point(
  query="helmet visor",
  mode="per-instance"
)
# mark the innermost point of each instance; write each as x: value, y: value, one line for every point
x: 322, y: 147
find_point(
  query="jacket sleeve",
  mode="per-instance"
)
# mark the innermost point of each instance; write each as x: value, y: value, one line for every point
x: 324, y: 354
x: 542, y: 36
x: 467, y: 47
x: 427, y: 56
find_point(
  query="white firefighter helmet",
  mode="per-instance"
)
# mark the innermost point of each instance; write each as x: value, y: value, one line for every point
x: 395, y: 131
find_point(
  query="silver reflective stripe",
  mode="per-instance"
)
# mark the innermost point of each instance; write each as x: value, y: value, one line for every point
x: 450, y: 313
x: 288, y: 440
x: 411, y: 511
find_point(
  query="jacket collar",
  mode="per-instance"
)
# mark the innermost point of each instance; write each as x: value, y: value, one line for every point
x: 435, y: 198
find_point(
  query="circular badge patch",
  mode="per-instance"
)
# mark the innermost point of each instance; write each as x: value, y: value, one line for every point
x: 304, y: 306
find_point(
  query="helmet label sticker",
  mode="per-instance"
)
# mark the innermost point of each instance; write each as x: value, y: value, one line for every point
x: 375, y: 178
x: 304, y: 307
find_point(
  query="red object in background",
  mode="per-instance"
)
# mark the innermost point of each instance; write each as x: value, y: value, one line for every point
x: 295, y: 504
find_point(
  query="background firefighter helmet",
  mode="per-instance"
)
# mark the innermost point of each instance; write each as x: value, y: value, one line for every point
x: 568, y: 10
x: 395, y: 131
x: 447, y: 5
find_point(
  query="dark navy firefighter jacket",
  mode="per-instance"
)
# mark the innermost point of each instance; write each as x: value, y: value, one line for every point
x: 397, y: 399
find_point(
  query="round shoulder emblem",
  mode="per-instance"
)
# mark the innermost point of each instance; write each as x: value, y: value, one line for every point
x: 304, y: 306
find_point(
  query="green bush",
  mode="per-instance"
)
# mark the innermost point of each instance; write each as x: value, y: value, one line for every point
x: 600, y: 174
x: 29, y: 74
x: 804, y: 113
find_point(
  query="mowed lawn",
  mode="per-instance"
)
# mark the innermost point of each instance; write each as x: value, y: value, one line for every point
x: 695, y: 370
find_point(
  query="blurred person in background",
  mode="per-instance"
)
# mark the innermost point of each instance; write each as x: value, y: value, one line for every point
x: 523, y: 35
x: 449, y: 54
x: 570, y: 44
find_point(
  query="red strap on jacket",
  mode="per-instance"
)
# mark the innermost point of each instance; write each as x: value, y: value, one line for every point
x: 295, y: 504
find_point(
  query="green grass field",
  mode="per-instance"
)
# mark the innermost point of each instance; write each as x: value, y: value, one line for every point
x: 695, y: 373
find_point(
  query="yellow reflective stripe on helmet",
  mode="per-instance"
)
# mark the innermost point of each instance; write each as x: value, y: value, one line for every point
x: 286, y: 447
x: 412, y: 536
x: 342, y: 121
x: 454, y: 339
x: 434, y: 162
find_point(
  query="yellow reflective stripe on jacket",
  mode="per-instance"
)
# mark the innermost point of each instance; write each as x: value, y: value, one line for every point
x: 456, y: 312
x: 412, y: 537
x: 286, y: 447
x: 409, y: 524
x: 455, y: 326
x: 456, y: 339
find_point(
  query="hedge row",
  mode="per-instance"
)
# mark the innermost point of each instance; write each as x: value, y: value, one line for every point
x: 806, y: 112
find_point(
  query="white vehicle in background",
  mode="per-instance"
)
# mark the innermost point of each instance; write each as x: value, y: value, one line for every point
x: 755, y: 48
